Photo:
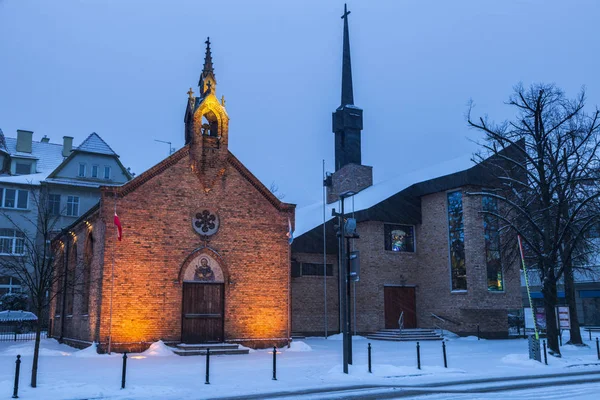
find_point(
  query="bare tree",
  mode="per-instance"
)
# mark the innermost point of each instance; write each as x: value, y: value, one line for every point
x: 549, y: 181
x: 274, y: 188
x: 36, y: 268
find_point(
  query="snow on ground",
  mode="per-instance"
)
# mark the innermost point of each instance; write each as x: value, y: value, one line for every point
x: 68, y: 373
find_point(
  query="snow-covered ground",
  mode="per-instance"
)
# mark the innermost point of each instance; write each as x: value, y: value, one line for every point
x: 68, y: 373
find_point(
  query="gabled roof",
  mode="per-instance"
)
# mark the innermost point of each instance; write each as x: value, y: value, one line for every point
x: 92, y: 144
x: 95, y: 144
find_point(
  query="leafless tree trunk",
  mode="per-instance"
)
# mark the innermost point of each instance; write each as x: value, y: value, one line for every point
x: 35, y: 268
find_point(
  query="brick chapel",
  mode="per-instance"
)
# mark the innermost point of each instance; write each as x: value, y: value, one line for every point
x: 428, y: 256
x: 203, y: 258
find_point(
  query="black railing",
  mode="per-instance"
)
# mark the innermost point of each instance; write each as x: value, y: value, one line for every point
x: 13, y: 331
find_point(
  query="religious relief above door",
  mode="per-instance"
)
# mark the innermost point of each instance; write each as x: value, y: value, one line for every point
x: 203, y: 268
x: 205, y: 222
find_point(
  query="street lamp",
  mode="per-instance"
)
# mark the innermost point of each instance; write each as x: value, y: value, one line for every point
x: 346, y: 230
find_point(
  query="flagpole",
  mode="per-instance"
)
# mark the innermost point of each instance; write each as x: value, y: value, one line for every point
x: 324, y: 251
x: 112, y: 285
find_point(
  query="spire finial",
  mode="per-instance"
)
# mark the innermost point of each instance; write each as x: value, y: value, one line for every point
x: 208, y: 66
x: 347, y: 92
x: 190, y: 93
x: 208, y: 72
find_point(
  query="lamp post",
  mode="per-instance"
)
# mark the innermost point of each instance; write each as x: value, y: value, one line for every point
x: 344, y: 284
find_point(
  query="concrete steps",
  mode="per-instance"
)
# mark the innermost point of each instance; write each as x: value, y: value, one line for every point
x: 216, y: 349
x: 406, y: 335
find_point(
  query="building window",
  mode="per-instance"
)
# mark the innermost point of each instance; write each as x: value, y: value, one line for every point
x: 82, y: 169
x: 73, y: 206
x: 94, y: 171
x: 310, y: 269
x: 400, y: 238
x: 13, y: 198
x: 8, y: 284
x: 22, y: 168
x: 54, y: 204
x: 107, y: 172
x: 12, y: 242
x: 495, y: 279
x: 456, y: 241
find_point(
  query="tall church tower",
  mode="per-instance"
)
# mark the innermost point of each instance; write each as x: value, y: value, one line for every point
x: 350, y: 174
x: 207, y: 127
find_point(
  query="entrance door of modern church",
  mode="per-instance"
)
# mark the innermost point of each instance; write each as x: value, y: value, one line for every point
x: 202, y: 313
x: 397, y: 300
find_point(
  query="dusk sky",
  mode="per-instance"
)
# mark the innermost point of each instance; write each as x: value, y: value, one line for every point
x: 122, y: 69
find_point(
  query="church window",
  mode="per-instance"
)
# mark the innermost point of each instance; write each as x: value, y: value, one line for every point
x: 495, y: 279
x: 456, y: 241
x: 399, y: 238
x: 73, y: 206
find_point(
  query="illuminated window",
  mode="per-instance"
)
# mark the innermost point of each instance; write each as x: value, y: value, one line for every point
x: 495, y: 279
x: 456, y: 241
x: 399, y: 238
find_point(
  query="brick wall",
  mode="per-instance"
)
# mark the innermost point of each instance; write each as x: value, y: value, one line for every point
x: 158, y: 237
x: 308, y: 299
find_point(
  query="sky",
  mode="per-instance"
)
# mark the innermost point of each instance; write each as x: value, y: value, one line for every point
x: 122, y: 68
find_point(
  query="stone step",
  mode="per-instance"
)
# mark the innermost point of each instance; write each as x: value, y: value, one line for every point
x: 404, y: 339
x: 408, y: 330
x: 204, y: 346
x: 216, y: 352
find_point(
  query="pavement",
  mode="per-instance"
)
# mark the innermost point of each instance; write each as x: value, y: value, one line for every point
x: 471, y: 388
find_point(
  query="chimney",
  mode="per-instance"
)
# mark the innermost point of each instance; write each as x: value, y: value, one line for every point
x: 67, y: 145
x: 24, y: 141
x: 45, y: 139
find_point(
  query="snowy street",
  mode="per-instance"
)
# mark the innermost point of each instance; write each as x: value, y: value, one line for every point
x: 313, y: 363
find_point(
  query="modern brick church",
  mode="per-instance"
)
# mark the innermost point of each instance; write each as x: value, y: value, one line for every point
x: 428, y: 257
x: 204, y: 255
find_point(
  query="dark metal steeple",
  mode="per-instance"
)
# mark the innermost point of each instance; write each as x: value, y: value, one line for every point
x: 347, y: 119
x: 207, y: 77
x: 347, y: 94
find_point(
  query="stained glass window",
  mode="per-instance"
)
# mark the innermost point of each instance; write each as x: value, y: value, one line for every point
x: 400, y: 238
x: 495, y: 278
x: 456, y: 241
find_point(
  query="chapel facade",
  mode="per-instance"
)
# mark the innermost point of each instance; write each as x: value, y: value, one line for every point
x: 429, y: 257
x: 204, y: 256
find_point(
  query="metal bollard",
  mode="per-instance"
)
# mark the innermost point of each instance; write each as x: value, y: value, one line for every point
x: 124, y: 373
x: 598, y: 348
x: 444, y: 351
x: 478, y: 333
x: 418, y: 356
x: 369, y: 356
x: 274, y: 363
x: 17, y: 369
x: 207, y: 367
x: 545, y: 354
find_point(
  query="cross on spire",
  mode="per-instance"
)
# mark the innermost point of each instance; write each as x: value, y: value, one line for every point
x: 346, y: 12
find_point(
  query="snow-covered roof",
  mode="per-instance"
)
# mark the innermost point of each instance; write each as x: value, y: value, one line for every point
x: 78, y: 182
x: 95, y: 144
x: 17, y: 316
x: 311, y: 216
x: 48, y: 156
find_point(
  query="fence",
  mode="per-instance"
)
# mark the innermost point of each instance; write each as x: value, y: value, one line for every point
x: 12, y: 331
